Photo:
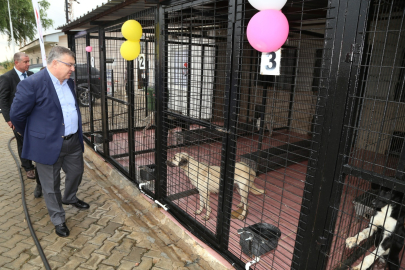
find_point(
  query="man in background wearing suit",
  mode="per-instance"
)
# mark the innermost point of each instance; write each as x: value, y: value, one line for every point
x: 46, y: 112
x: 8, y: 86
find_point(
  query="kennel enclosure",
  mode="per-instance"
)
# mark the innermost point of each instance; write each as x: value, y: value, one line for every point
x: 320, y: 139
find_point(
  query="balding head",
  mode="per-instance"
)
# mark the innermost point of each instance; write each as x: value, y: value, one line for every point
x: 61, y: 63
x: 21, y: 62
x: 19, y: 55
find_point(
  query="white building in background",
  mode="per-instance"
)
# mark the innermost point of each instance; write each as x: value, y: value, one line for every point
x: 34, y: 50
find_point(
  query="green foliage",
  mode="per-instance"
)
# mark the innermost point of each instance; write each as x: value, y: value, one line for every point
x: 8, y: 64
x: 22, y: 15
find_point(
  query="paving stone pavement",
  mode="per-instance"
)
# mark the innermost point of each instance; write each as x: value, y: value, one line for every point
x: 110, y: 235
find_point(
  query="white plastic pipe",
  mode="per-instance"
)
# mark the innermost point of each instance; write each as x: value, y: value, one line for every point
x: 163, y: 206
x: 156, y: 201
x: 256, y: 260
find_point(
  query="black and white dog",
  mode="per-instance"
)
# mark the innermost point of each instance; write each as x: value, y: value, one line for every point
x: 387, y: 226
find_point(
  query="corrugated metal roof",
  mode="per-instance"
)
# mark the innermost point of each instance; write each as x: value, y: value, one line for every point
x: 110, y: 11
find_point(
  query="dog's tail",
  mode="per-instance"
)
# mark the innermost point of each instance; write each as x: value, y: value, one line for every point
x: 255, y: 190
x: 252, y: 175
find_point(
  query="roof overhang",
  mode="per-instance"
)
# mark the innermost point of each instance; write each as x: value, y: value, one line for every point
x: 48, y: 39
x: 109, y: 12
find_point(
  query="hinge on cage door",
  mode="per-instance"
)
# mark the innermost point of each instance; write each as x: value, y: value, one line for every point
x: 321, y: 241
x: 222, y: 130
x: 354, y: 49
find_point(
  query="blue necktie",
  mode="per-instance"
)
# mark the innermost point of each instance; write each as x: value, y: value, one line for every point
x: 25, y: 75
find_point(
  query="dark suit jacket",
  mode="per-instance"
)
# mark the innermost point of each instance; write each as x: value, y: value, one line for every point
x: 37, y: 114
x: 8, y: 86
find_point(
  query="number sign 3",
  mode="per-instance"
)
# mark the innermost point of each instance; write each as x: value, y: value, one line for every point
x: 270, y: 64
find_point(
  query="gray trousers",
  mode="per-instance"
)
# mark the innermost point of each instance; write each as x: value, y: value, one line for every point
x: 71, y: 161
x: 25, y: 163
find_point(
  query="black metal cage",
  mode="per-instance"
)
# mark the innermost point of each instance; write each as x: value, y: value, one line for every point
x: 238, y: 127
x: 276, y: 172
x: 371, y: 160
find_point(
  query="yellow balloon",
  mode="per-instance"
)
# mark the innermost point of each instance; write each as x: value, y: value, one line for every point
x: 130, y: 50
x: 132, y: 30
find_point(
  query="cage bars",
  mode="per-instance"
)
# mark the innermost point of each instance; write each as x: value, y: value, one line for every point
x: 103, y: 82
x: 328, y: 118
x: 90, y: 94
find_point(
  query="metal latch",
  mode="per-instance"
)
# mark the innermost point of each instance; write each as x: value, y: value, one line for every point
x: 355, y: 49
x: 321, y: 241
x: 223, y: 130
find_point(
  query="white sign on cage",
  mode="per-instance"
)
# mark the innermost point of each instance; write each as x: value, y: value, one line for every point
x: 141, y: 61
x: 270, y: 64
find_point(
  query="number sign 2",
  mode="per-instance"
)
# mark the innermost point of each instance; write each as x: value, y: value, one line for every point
x: 141, y: 61
x: 270, y: 64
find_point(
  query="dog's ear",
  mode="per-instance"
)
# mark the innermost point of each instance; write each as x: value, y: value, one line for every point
x: 398, y: 196
x: 183, y: 161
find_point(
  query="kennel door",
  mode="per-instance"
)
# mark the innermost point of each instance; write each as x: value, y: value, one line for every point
x: 375, y: 115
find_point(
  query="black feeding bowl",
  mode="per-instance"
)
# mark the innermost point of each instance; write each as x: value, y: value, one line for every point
x: 259, y: 239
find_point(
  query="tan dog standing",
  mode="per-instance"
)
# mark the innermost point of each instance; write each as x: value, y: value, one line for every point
x: 206, y: 179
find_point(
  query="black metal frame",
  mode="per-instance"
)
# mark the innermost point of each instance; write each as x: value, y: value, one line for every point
x: 330, y: 142
x: 106, y: 133
x: 197, y: 229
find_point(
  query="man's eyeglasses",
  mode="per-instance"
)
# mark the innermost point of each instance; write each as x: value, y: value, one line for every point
x: 68, y: 64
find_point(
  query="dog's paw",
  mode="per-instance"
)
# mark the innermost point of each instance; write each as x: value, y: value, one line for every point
x: 235, y: 214
x: 241, y: 217
x: 381, y: 260
x: 359, y: 267
x: 206, y: 217
x: 198, y: 212
x: 365, y: 264
x: 356, y: 267
x: 351, y: 242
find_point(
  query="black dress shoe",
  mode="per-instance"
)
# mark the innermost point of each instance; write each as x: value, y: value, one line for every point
x: 79, y: 204
x: 38, y: 191
x: 62, y: 230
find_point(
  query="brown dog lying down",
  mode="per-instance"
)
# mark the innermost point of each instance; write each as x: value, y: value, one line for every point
x: 206, y: 179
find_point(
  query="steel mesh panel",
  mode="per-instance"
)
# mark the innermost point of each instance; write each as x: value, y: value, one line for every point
x: 374, y: 153
x: 95, y: 91
x: 278, y: 112
x: 195, y: 81
x: 131, y: 101
x: 270, y: 120
x: 117, y: 89
x: 204, y: 100
x: 89, y: 94
x: 81, y: 61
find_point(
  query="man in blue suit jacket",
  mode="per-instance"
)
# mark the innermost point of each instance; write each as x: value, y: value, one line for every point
x: 46, y: 113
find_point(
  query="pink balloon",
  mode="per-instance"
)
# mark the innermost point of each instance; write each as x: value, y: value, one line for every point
x: 267, y: 30
x: 89, y: 49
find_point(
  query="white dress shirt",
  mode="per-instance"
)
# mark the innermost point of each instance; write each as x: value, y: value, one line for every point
x: 19, y: 73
